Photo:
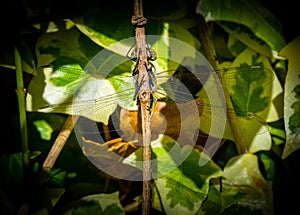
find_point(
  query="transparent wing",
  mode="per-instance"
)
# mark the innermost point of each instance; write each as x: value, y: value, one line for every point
x: 88, y: 95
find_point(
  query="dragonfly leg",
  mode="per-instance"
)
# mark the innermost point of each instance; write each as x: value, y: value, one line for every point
x: 132, y: 54
x: 151, y: 54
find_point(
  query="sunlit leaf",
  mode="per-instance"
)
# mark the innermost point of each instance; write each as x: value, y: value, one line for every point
x: 292, y: 98
x: 117, y: 35
x: 235, y: 46
x: 73, y: 90
x: 251, y: 14
x: 105, y: 33
x: 44, y: 128
x: 181, y: 33
x: 242, y: 34
x: 267, y: 87
x: 245, y: 86
x: 65, y: 47
x: 244, y: 184
x: 271, y: 85
x: 182, y: 184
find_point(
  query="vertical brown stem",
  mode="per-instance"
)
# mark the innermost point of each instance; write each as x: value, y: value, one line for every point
x: 144, y: 96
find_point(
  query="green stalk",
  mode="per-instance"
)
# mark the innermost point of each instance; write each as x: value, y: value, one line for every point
x: 210, y: 53
x: 22, y: 112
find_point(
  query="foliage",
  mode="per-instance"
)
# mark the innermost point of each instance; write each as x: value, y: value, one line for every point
x: 62, y: 56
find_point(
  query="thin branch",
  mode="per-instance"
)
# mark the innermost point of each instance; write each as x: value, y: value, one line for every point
x: 145, y: 101
x: 210, y: 53
x: 57, y: 147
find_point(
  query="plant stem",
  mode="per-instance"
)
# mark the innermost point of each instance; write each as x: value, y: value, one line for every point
x: 210, y: 53
x: 22, y: 112
x: 57, y: 147
x: 144, y: 97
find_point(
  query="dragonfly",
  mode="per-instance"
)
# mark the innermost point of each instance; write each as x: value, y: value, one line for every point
x: 82, y: 96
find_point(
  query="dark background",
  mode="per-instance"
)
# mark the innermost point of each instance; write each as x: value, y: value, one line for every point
x: 15, y: 18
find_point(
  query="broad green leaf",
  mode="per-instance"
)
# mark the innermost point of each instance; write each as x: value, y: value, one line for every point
x: 213, y: 203
x: 235, y: 46
x: 292, y: 97
x: 117, y: 35
x: 244, y: 184
x: 251, y: 14
x: 120, y: 41
x: 81, y: 94
x: 270, y: 83
x: 266, y: 89
x: 180, y: 182
x: 243, y: 35
x: 108, y: 32
x: 106, y: 204
x: 184, y: 189
x: 64, y: 47
x: 251, y: 91
x: 261, y: 86
x: 181, y: 33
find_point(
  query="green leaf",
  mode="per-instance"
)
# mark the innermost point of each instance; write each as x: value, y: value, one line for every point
x: 243, y: 185
x: 57, y: 177
x: 105, y: 33
x: 251, y: 14
x: 64, y: 47
x: 242, y: 34
x: 117, y: 35
x: 270, y: 84
x: 235, y: 46
x: 71, y: 91
x: 180, y: 181
x: 292, y: 98
x: 268, y: 164
x: 106, y: 204
x: 44, y: 129
x: 265, y: 87
x: 247, y: 91
x: 181, y: 33
x: 252, y: 91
